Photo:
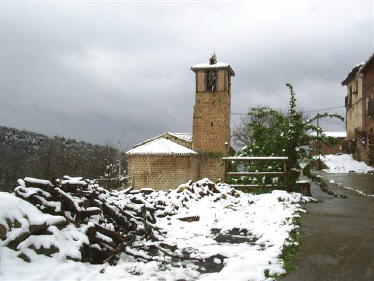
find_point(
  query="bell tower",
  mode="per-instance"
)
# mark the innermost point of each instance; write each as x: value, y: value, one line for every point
x: 211, y: 118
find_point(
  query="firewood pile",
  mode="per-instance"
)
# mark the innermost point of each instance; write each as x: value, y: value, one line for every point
x: 99, y: 225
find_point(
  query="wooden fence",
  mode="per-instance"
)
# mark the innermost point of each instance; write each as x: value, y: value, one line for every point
x: 284, y: 173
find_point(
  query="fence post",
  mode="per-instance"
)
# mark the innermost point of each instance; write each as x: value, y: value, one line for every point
x: 285, y: 166
x: 226, y: 162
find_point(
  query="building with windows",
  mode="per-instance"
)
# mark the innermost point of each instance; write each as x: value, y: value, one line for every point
x: 359, y: 102
x: 167, y: 160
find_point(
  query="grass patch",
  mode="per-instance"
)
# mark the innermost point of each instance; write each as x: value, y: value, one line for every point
x: 290, y: 248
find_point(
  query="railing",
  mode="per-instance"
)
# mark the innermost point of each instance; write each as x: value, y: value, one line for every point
x: 284, y: 173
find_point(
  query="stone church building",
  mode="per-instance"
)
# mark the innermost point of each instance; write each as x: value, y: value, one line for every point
x: 168, y: 160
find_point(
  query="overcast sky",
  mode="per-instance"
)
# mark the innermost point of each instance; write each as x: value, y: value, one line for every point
x: 104, y: 72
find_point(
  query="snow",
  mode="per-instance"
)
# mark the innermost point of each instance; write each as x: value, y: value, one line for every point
x: 38, y: 181
x: 73, y: 180
x: 350, y: 188
x: 183, y: 136
x: 332, y: 134
x: 213, y: 66
x: 208, y: 65
x: 18, y: 215
x: 263, y: 221
x: 161, y: 146
x: 344, y: 163
x: 303, y: 181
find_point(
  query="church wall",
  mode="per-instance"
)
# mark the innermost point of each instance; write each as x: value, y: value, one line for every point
x: 162, y: 172
x: 212, y: 167
x: 211, y: 124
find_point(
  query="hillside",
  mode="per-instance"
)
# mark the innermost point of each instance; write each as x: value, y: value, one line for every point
x: 24, y: 153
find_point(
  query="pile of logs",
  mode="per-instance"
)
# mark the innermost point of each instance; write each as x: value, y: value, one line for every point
x: 119, y: 221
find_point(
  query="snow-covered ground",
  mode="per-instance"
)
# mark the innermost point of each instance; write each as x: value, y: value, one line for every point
x: 344, y: 163
x: 247, y: 232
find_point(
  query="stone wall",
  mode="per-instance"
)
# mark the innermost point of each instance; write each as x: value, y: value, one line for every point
x: 211, y: 120
x: 211, y: 124
x: 363, y: 147
x: 162, y: 172
x: 212, y: 167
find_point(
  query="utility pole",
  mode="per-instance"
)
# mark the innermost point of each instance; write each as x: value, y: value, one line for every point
x: 120, y: 143
x: 318, y: 148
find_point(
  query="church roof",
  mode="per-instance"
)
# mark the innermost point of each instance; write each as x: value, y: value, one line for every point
x: 213, y: 64
x: 161, y: 146
x: 183, y: 136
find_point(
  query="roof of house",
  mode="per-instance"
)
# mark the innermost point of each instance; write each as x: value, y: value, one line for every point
x: 357, y: 69
x: 367, y: 62
x: 182, y: 136
x: 161, y: 146
x: 333, y: 134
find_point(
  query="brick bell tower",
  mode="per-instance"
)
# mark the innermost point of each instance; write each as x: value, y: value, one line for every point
x: 211, y: 118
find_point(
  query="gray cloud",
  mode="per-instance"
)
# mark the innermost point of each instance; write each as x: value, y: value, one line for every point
x: 105, y: 72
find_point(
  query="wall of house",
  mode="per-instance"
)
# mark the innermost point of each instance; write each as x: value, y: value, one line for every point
x: 162, y: 172
x: 325, y: 149
x: 368, y: 91
x: 354, y: 107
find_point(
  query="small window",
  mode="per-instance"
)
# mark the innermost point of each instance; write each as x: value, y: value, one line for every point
x: 211, y: 81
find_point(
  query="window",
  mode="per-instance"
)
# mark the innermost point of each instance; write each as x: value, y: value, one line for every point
x: 371, y: 107
x: 211, y: 81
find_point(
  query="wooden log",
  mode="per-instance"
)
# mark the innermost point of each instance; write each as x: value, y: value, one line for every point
x: 190, y: 218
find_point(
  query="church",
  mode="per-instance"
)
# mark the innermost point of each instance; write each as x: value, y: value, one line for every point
x: 168, y: 160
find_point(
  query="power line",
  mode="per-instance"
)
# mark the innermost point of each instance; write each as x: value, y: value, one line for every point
x: 316, y: 110
x: 334, y: 123
x: 323, y: 109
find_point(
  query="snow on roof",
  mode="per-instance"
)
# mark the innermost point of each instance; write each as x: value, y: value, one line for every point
x: 367, y: 62
x: 183, y: 136
x: 332, y: 134
x: 161, y: 146
x: 216, y: 65
x: 352, y: 73
x: 208, y: 65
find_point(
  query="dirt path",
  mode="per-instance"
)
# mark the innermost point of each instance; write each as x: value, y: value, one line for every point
x: 338, y: 236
